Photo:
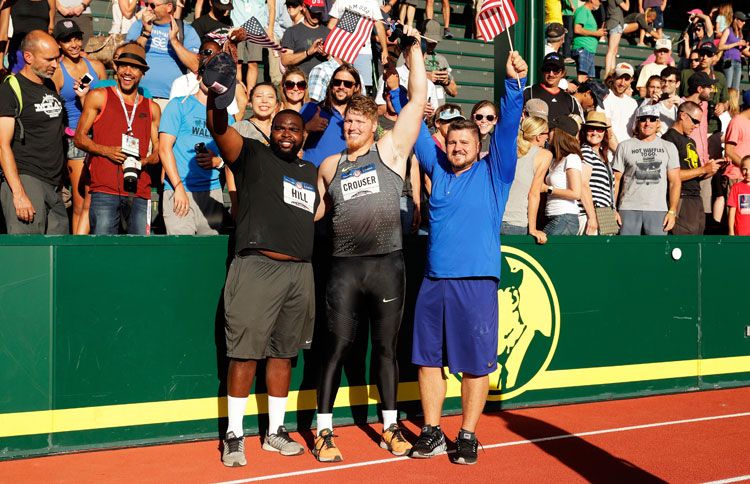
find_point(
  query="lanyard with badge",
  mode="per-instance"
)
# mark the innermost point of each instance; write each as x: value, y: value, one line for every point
x: 130, y: 144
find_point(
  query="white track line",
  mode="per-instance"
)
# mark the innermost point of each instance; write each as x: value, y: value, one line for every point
x: 731, y: 479
x: 508, y: 444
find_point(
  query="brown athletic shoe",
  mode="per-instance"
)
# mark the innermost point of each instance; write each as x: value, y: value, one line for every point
x: 325, y: 449
x: 394, y: 441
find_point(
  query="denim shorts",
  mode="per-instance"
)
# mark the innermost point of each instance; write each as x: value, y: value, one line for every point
x: 618, y: 29
x: 73, y: 152
x: 565, y: 224
x: 585, y: 62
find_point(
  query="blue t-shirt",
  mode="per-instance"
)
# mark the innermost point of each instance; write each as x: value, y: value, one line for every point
x: 319, y: 146
x: 164, y: 65
x: 186, y: 121
x: 466, y: 211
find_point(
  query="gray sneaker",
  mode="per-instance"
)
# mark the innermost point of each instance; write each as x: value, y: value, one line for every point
x: 234, y: 451
x: 281, y: 442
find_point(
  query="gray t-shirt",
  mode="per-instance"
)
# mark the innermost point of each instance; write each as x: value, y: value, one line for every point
x: 615, y: 14
x: 644, y: 167
x: 300, y: 37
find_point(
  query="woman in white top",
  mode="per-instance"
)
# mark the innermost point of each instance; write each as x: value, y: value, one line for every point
x: 563, y: 181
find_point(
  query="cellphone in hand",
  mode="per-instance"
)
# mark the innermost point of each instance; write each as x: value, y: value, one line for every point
x: 201, y: 148
x: 86, y: 79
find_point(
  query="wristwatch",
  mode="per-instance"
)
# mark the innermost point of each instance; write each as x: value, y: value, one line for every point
x: 221, y: 165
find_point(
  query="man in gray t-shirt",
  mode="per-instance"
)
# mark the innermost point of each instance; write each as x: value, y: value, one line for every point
x: 649, y: 168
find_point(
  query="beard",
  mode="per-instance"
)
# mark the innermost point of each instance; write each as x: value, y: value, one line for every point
x: 41, y: 73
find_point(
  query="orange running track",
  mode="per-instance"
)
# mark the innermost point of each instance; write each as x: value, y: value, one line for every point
x: 690, y: 437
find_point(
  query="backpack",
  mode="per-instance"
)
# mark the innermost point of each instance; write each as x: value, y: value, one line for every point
x: 12, y: 80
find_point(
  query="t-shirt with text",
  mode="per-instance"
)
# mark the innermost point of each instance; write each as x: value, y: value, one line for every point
x: 739, y: 198
x: 644, y: 166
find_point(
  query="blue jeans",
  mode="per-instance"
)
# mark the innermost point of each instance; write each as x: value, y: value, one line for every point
x: 733, y: 74
x: 107, y: 212
x: 565, y: 224
x: 585, y: 62
x: 508, y: 229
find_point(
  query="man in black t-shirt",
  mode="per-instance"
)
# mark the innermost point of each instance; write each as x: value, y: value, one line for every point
x: 305, y: 39
x: 216, y: 24
x: 269, y: 300
x: 691, y: 219
x: 31, y: 142
x: 559, y: 101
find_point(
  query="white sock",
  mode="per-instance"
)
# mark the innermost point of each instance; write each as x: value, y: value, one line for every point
x: 276, y: 412
x: 325, y: 421
x: 390, y: 417
x: 236, y: 413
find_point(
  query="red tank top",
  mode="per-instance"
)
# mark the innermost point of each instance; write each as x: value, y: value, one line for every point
x: 106, y: 175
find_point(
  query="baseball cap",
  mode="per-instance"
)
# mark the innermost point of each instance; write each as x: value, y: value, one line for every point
x: 220, y: 76
x: 450, y: 114
x: 695, y: 11
x: 624, y: 68
x: 740, y: 16
x: 315, y: 5
x: 553, y: 61
x: 131, y: 54
x: 598, y: 90
x: 432, y: 29
x: 700, y: 79
x: 708, y: 47
x: 555, y: 31
x: 647, y: 110
x: 565, y: 123
x: 537, y: 107
x: 222, y: 4
x: 663, y: 44
x: 65, y: 29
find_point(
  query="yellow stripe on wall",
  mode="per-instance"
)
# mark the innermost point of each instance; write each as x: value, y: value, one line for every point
x: 108, y: 416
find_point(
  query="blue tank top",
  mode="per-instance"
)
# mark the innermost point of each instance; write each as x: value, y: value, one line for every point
x: 73, y: 105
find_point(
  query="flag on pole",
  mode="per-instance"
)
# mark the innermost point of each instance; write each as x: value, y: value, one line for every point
x: 350, y: 34
x: 255, y: 33
x: 495, y: 17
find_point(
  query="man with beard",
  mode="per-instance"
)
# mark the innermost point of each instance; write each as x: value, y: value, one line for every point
x: 122, y: 124
x: 362, y: 186
x: 619, y: 105
x: 458, y: 297
x: 269, y: 301
x: 304, y: 40
x: 700, y: 91
x: 31, y: 142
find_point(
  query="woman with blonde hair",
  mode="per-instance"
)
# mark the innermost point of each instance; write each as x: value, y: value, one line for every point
x: 724, y: 18
x: 294, y: 89
x: 734, y: 46
x: 563, y: 181
x: 534, y: 160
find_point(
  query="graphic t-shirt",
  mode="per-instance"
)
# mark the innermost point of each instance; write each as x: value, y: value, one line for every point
x: 585, y: 18
x: 644, y: 166
x: 739, y: 198
x: 186, y: 121
x: 688, y: 160
x: 164, y: 65
x: 40, y: 154
x: 300, y: 37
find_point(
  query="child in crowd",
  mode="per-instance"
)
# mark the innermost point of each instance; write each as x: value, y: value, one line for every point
x: 739, y: 202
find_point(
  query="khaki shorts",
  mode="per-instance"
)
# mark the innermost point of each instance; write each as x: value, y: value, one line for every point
x: 269, y: 307
x: 205, y: 215
x: 249, y: 52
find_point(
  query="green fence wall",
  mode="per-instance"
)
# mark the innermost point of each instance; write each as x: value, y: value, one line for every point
x: 114, y: 341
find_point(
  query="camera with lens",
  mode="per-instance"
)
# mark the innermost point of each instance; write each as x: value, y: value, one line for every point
x: 131, y: 168
x: 404, y: 41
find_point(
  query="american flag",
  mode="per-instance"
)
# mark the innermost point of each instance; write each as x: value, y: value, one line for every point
x: 494, y: 17
x: 256, y: 34
x: 350, y: 34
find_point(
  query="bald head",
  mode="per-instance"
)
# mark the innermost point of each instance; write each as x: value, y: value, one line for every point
x: 36, y: 40
x: 40, y: 53
x: 691, y: 108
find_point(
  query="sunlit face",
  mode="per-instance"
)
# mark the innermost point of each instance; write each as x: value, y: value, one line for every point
x: 462, y: 148
x: 648, y: 125
x: 662, y: 56
x: 622, y: 84
x: 594, y: 135
x: 128, y: 76
x: 287, y: 135
x: 44, y: 60
x: 295, y: 87
x: 552, y: 77
x: 71, y: 47
x: 653, y: 89
x: 162, y: 10
x: 344, y: 87
x: 359, y: 130
x: 264, y: 102
x: 485, y: 118
x: 669, y: 84
x: 745, y: 169
x: 693, y: 120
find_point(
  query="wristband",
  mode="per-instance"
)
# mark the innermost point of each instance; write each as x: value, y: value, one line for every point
x: 145, y: 34
x: 221, y: 165
x: 671, y: 212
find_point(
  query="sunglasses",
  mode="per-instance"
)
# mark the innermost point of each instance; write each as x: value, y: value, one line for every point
x: 696, y: 122
x: 342, y: 82
x: 289, y: 85
x: 650, y: 119
x: 206, y: 52
x: 153, y: 5
x: 551, y: 71
x: 695, y: 60
x: 595, y: 130
x: 490, y: 117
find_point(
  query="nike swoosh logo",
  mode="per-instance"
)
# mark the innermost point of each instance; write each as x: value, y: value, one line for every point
x: 389, y: 300
x: 308, y: 342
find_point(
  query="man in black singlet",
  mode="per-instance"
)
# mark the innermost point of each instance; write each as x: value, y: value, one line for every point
x: 362, y: 186
x: 269, y: 299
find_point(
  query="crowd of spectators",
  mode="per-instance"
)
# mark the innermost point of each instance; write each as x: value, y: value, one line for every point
x: 632, y: 153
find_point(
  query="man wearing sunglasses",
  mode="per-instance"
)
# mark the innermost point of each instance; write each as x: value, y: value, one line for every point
x: 304, y: 40
x: 691, y: 218
x: 649, y: 168
x: 559, y: 101
x: 709, y: 55
x: 362, y: 187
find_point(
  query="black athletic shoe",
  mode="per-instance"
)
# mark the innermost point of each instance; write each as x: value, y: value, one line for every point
x: 466, y: 449
x: 431, y: 442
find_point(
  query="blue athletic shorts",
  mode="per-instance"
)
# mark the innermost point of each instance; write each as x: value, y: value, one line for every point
x: 455, y: 325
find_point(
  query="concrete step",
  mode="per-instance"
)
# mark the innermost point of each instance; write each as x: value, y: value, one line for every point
x: 466, y: 46
x: 456, y: 59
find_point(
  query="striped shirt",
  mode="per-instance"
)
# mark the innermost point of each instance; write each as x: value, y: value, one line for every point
x: 602, y: 178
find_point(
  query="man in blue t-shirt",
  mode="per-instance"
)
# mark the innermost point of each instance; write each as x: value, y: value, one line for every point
x: 193, y: 198
x: 456, y: 311
x: 171, y: 47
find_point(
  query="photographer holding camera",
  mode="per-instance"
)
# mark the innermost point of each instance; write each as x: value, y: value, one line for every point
x: 124, y: 123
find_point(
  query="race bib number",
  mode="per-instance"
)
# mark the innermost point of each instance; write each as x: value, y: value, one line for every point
x: 299, y: 194
x: 744, y: 204
x: 360, y: 182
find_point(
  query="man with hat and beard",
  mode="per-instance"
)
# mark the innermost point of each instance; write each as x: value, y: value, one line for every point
x: 709, y: 55
x: 123, y: 124
x: 304, y: 41
x: 269, y: 301
x: 559, y: 101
